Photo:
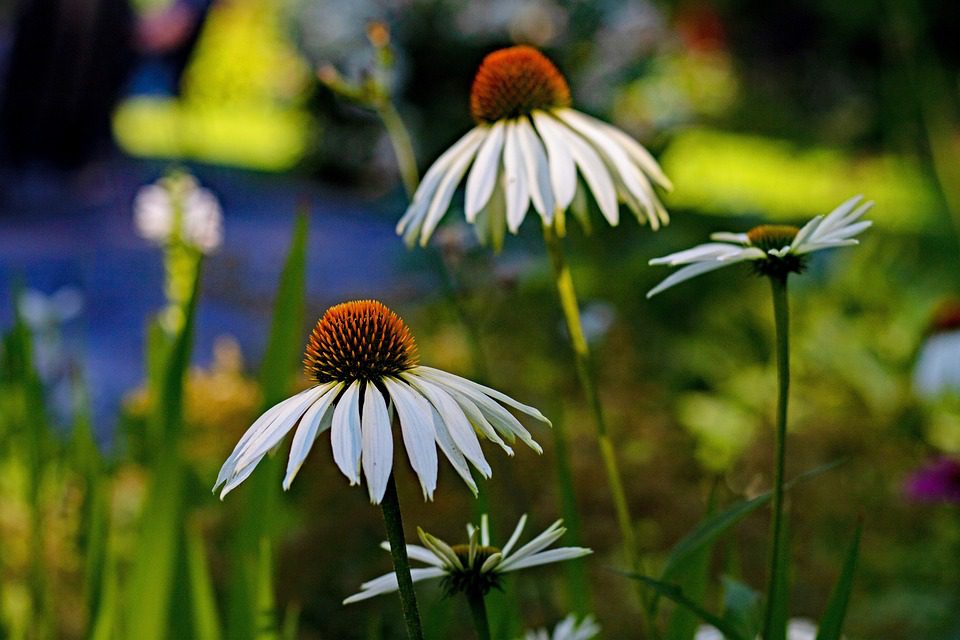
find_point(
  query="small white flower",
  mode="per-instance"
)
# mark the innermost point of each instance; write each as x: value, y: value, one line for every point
x: 474, y: 568
x: 567, y: 629
x: 362, y: 360
x: 177, y: 204
x: 527, y: 149
x: 797, y: 629
x: 938, y: 366
x: 774, y: 250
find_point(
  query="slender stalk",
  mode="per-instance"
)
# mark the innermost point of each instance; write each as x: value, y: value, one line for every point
x: 571, y: 313
x: 398, y: 549
x: 781, y: 315
x: 402, y: 145
x: 478, y: 610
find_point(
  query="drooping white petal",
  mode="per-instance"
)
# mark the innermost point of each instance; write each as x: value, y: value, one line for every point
x: 634, y: 149
x: 618, y: 159
x: 377, y: 442
x: 345, y: 433
x: 260, y: 424
x: 412, y: 219
x: 448, y: 184
x: 416, y: 425
x: 451, y: 450
x: 545, y: 557
x: 515, y: 536
x: 478, y: 420
x: 563, y: 170
x: 388, y: 583
x: 449, y: 378
x: 417, y: 552
x: 699, y: 253
x: 237, y: 478
x: 538, y: 170
x: 502, y: 420
x: 310, y: 427
x: 594, y: 171
x: 726, y: 236
x: 459, y: 427
x: 514, y: 172
x: 688, y: 272
x: 483, y: 175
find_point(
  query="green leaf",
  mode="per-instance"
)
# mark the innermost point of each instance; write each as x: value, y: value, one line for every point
x: 252, y: 611
x: 741, y: 607
x: 712, y: 527
x: 831, y: 625
x: 206, y: 622
x: 148, y: 608
x: 694, y: 575
x: 676, y: 594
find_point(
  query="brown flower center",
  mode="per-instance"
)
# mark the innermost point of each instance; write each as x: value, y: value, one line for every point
x: 772, y: 236
x: 514, y: 81
x: 360, y: 340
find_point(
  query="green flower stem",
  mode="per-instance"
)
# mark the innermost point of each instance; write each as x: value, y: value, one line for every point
x: 478, y: 610
x: 398, y: 549
x: 402, y: 145
x: 781, y: 314
x: 571, y: 313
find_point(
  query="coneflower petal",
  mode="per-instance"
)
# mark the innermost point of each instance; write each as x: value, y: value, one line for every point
x: 307, y: 432
x: 345, y: 433
x: 515, y: 179
x: 416, y: 426
x: 538, y: 170
x: 483, y: 175
x: 377, y: 443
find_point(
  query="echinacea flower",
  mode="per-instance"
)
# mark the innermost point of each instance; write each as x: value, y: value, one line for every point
x: 773, y: 249
x: 527, y: 149
x: 937, y: 481
x: 474, y: 568
x: 177, y: 207
x: 938, y: 366
x: 567, y: 629
x: 362, y: 361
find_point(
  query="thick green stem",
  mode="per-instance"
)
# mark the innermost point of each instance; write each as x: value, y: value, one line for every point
x: 781, y: 314
x: 478, y: 610
x: 571, y: 313
x: 401, y: 565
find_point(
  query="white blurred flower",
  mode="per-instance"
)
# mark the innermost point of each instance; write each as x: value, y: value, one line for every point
x: 41, y: 311
x: 362, y: 361
x: 177, y: 205
x: 797, y: 629
x: 775, y: 250
x: 474, y: 568
x: 567, y: 629
x: 937, y: 371
x: 527, y: 150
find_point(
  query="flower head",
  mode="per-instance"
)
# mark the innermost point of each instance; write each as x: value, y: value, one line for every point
x: 773, y: 250
x: 175, y: 208
x: 475, y: 567
x: 567, y: 629
x: 938, y: 481
x: 527, y: 150
x: 362, y: 362
x: 938, y: 366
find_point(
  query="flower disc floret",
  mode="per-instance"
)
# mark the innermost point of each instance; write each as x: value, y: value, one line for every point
x: 472, y: 579
x: 360, y: 340
x: 516, y: 81
x: 775, y: 240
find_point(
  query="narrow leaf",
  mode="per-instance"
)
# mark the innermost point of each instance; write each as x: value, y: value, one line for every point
x: 831, y: 625
x: 676, y: 594
x: 741, y: 607
x: 206, y: 622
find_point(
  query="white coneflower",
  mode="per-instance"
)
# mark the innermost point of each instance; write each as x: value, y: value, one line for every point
x: 527, y: 149
x: 773, y: 249
x: 362, y: 361
x: 177, y: 207
x: 474, y: 568
x: 567, y: 629
x: 937, y: 371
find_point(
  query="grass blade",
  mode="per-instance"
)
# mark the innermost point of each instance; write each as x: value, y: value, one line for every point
x: 206, y: 621
x: 675, y: 593
x: 831, y: 625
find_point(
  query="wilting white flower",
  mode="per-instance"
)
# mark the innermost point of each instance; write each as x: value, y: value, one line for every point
x: 567, y: 629
x: 773, y: 249
x: 176, y: 206
x: 362, y: 360
x: 797, y: 629
x: 527, y: 149
x: 474, y: 568
x: 938, y: 365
